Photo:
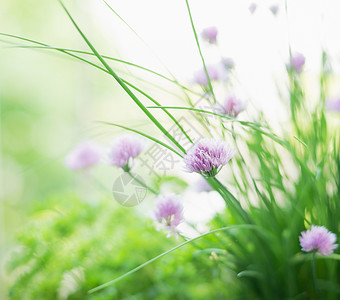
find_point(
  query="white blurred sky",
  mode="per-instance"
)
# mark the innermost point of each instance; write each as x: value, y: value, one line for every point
x: 258, y: 43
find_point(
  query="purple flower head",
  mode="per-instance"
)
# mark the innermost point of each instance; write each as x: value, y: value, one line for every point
x: 169, y: 212
x: 233, y: 106
x: 210, y: 34
x: 333, y: 105
x: 123, y: 150
x: 85, y: 155
x: 208, y: 156
x: 201, y: 78
x: 297, y: 61
x: 252, y: 7
x: 318, y: 239
x: 274, y: 9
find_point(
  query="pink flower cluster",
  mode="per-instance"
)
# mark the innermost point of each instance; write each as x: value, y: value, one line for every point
x: 318, y: 239
x: 84, y: 156
x: 208, y: 156
x: 210, y: 34
x: 232, y: 106
x: 168, y: 212
x: 120, y: 154
x: 123, y: 150
x: 200, y: 77
x: 297, y: 61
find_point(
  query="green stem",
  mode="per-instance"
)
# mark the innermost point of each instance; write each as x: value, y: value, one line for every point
x: 142, y: 183
x: 229, y: 198
x: 317, y: 291
x: 100, y: 287
x: 200, y: 51
x: 121, y: 83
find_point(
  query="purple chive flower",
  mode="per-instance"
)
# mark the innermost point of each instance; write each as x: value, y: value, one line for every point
x: 274, y: 9
x: 233, y: 106
x: 318, y: 239
x: 123, y: 150
x: 168, y: 212
x: 252, y: 7
x: 201, y: 78
x: 85, y: 155
x: 210, y: 34
x: 208, y: 156
x: 333, y: 105
x: 297, y: 61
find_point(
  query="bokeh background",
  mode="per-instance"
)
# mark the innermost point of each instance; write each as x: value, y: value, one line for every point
x: 50, y: 102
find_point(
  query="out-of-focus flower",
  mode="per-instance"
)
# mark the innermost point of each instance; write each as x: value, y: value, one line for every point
x: 85, y: 155
x: 210, y: 34
x: 201, y: 185
x: 201, y: 78
x: 252, y: 7
x: 232, y: 106
x: 318, y: 239
x: 208, y: 156
x: 333, y: 105
x: 123, y: 149
x: 274, y: 9
x: 168, y: 213
x: 297, y: 61
x: 228, y: 63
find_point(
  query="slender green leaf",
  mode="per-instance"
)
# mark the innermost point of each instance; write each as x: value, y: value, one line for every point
x: 45, y: 46
x: 135, y: 32
x: 252, y: 125
x: 303, y: 143
x: 200, y: 51
x: 66, y: 51
x: 248, y: 226
x: 165, y: 110
x: 121, y: 83
x: 143, y: 134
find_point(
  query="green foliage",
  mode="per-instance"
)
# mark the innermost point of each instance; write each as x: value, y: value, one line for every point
x: 93, y: 242
x: 281, y: 184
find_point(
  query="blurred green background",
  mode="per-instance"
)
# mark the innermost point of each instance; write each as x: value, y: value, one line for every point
x: 71, y: 227
x: 49, y: 103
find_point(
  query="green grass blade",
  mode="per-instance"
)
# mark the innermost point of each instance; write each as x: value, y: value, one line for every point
x: 252, y: 125
x: 121, y: 83
x: 45, y: 46
x: 22, y: 38
x: 66, y: 51
x: 158, y: 104
x: 153, y: 52
x: 200, y: 51
x: 62, y: 50
x: 174, y: 80
x: 142, y: 183
x: 167, y: 252
x: 144, y: 135
x: 302, y: 142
